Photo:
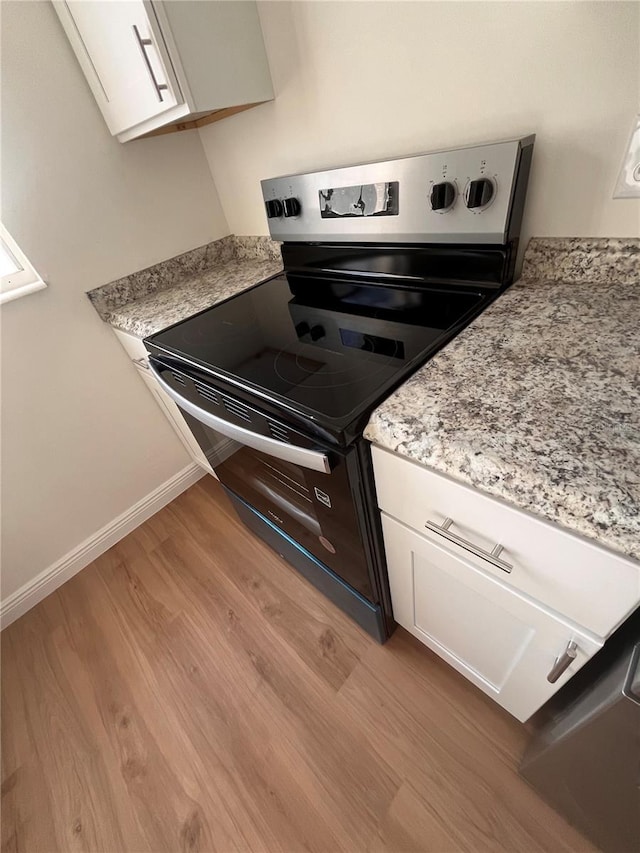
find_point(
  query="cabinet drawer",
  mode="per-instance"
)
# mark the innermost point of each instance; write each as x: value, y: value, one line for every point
x: 503, y: 642
x: 583, y: 582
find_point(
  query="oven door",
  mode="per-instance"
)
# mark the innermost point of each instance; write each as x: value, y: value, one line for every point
x: 303, y: 491
x: 316, y: 510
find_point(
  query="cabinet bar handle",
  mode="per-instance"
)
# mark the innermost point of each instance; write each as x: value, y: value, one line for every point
x: 491, y: 557
x: 159, y: 87
x: 563, y: 661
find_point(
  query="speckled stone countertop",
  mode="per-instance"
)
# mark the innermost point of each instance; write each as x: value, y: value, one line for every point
x: 537, y: 402
x: 150, y: 300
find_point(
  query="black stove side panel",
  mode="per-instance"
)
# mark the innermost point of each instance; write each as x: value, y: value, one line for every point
x: 517, y: 208
x: 371, y: 526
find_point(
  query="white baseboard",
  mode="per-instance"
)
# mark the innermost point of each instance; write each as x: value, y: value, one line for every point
x: 54, y: 576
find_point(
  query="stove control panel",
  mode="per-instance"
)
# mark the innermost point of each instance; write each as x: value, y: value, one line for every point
x: 467, y: 195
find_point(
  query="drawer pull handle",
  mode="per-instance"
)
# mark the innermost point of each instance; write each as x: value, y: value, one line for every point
x: 563, y: 661
x: 492, y: 557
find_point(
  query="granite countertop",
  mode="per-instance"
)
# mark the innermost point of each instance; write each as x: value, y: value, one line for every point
x: 150, y: 300
x: 537, y: 402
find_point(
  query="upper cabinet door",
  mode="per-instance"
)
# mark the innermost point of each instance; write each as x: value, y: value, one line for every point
x: 122, y: 53
x: 158, y: 66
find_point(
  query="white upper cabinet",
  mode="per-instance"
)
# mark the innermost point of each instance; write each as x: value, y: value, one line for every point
x: 125, y: 60
x: 155, y: 67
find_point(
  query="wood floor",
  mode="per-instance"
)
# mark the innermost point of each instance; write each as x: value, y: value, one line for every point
x: 188, y: 692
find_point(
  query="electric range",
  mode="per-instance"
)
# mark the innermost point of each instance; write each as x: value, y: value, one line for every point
x: 383, y: 264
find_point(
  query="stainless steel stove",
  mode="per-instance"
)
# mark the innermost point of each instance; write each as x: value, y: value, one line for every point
x: 383, y: 264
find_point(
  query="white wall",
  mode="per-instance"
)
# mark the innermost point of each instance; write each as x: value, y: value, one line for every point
x: 358, y: 81
x: 82, y: 438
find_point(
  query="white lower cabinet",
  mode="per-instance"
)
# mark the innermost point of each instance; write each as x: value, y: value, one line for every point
x: 589, y: 585
x: 502, y: 595
x: 503, y: 642
x: 173, y: 415
x: 137, y: 352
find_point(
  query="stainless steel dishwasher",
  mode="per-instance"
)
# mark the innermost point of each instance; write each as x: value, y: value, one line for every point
x: 584, y: 759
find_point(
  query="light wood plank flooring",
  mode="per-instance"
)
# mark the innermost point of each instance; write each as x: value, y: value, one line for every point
x: 188, y: 691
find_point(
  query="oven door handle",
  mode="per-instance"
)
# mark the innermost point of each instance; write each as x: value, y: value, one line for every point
x: 302, y: 456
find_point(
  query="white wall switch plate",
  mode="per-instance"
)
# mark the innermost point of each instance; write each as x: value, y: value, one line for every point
x: 628, y: 185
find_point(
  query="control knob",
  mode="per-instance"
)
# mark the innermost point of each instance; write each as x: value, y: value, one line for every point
x: 479, y: 193
x: 291, y: 206
x: 317, y: 332
x: 302, y: 328
x: 274, y: 208
x: 442, y: 196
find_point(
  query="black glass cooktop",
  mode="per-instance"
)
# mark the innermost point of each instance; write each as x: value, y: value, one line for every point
x: 327, y: 347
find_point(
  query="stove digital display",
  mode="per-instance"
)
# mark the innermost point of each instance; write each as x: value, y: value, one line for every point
x: 379, y: 199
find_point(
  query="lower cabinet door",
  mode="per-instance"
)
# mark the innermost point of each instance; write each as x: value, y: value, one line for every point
x: 172, y: 412
x: 502, y: 641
